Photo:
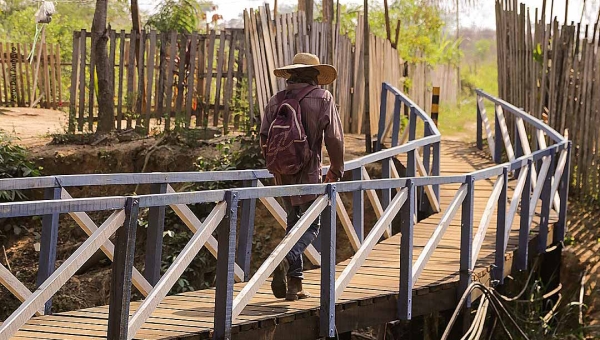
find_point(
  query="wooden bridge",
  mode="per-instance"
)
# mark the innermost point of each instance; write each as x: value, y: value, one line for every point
x: 490, y: 212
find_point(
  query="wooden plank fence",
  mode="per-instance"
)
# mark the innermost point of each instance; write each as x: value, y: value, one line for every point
x: 172, y: 79
x: 551, y: 70
x: 23, y: 81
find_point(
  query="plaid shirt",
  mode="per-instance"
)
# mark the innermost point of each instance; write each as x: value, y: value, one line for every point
x: 321, y: 122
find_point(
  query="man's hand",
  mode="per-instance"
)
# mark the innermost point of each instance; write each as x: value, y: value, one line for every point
x: 331, y: 177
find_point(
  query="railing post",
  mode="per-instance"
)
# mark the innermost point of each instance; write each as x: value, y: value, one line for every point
x: 466, y: 240
x: 382, y: 116
x: 358, y: 206
x: 327, y: 310
x: 225, y: 263
x: 501, y: 230
x: 479, y: 124
x: 424, y: 202
x: 48, y: 244
x: 435, y: 168
x: 497, y: 137
x: 561, y: 225
x: 406, y: 254
x: 518, y: 149
x: 154, y: 241
x: 244, y: 253
x: 396, y: 124
x: 524, y: 227
x: 412, y: 129
x: 386, y: 194
x: 546, y: 203
x: 122, y: 268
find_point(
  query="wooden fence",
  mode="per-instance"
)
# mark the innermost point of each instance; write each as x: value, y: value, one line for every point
x: 23, y: 81
x: 551, y: 70
x: 423, y: 77
x: 173, y: 76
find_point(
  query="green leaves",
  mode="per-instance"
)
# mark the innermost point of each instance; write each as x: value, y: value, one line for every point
x: 182, y: 16
x: 14, y: 163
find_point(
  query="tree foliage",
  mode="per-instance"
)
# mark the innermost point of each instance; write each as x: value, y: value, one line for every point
x: 183, y: 16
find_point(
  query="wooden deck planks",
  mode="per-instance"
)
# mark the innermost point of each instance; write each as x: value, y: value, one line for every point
x: 192, y: 313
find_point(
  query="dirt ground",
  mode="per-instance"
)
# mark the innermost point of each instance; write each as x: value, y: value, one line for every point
x: 32, y: 126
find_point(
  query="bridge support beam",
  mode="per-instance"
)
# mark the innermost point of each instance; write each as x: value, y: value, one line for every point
x: 406, y: 254
x: 497, y: 138
x: 225, y: 264
x: 498, y: 273
x: 154, y: 241
x: 524, y: 226
x: 48, y: 242
x: 122, y: 270
x: 328, y: 232
x: 546, y: 203
x: 244, y: 253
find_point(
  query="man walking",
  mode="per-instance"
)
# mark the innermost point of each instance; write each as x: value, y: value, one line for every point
x: 320, y: 122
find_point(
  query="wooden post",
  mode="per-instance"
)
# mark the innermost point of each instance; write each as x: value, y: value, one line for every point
x: 382, y: 116
x: 479, y: 125
x: 518, y: 149
x: 48, y: 244
x: 561, y: 225
x: 396, y: 124
x: 522, y: 255
x: 154, y: 240
x: 412, y: 130
x: 73, y: 95
x: 358, y: 206
x: 501, y: 230
x: 497, y: 138
x: 546, y: 203
x: 225, y: 263
x: 244, y: 253
x: 327, y: 311
x: 406, y: 254
x: 435, y: 104
x: 122, y: 267
x: 367, y: 67
x: 466, y: 239
x: 435, y: 168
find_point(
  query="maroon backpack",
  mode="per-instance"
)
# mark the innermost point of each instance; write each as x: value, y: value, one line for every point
x: 287, y: 150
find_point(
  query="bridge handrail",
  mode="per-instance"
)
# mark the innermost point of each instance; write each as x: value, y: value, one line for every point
x: 224, y: 217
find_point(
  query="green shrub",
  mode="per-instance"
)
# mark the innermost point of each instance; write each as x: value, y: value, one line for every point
x: 13, y: 164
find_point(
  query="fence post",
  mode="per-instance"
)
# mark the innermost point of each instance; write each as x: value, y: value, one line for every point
x: 244, y: 253
x: 497, y: 137
x: 358, y: 206
x: 406, y: 253
x: 501, y: 229
x: 327, y: 310
x: 225, y: 263
x: 48, y: 244
x: 466, y: 240
x: 382, y: 114
x: 412, y: 130
x: 154, y: 242
x: 546, y: 203
x: 479, y: 124
x: 524, y: 224
x: 122, y: 268
x: 560, y: 228
x: 396, y: 125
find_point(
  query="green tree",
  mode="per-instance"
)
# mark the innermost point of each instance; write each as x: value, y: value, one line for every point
x: 184, y: 16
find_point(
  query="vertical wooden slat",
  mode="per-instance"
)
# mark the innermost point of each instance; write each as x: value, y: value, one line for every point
x: 53, y: 77
x: 209, y: 73
x: 141, y: 89
x: 149, y: 81
x: 190, y: 79
x: 20, y: 70
x: 183, y: 39
x: 154, y: 240
x: 91, y: 86
x: 46, y: 74
x: 170, y: 70
x: 200, y: 111
x: 228, y: 91
x: 3, y: 79
x: 82, y: 73
x: 74, y: 82
x: 58, y: 74
x: 120, y: 83
x: 162, y: 74
x: 131, y: 93
x: 220, y: 62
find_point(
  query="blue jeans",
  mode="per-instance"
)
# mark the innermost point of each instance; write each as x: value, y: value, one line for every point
x: 294, y: 257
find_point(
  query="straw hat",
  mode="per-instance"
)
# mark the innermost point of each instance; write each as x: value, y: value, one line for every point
x: 327, y: 73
